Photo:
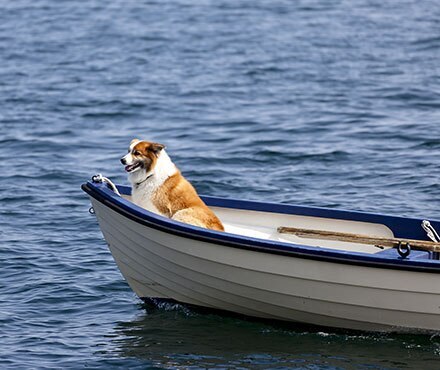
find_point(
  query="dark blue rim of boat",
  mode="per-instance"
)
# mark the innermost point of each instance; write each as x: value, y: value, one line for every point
x: 402, y: 228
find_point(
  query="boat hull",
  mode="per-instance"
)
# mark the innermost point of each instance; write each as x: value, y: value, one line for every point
x: 159, y: 264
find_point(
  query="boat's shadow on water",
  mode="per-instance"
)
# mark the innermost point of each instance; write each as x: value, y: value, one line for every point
x: 171, y: 335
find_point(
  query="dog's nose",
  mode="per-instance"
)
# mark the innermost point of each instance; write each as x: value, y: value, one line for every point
x: 123, y: 160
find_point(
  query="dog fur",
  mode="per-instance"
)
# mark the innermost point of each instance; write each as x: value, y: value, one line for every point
x: 158, y: 186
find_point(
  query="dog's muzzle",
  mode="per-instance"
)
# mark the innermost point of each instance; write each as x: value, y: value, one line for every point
x: 130, y: 167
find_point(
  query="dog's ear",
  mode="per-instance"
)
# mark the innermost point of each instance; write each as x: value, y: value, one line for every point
x: 134, y: 141
x: 156, y: 148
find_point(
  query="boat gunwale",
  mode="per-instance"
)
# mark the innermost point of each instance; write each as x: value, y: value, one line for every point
x: 101, y: 193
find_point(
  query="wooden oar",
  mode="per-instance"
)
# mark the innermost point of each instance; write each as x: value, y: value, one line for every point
x: 358, y: 238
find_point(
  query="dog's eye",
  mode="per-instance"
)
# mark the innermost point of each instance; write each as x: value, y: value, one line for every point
x: 136, y: 152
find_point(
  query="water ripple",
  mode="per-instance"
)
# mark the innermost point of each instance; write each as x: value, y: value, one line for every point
x: 310, y: 102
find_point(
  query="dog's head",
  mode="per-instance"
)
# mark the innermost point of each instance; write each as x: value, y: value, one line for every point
x: 141, y: 155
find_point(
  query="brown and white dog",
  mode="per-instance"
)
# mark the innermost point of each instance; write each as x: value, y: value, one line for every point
x: 158, y: 186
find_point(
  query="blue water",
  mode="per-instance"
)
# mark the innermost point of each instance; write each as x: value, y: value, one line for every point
x: 321, y: 102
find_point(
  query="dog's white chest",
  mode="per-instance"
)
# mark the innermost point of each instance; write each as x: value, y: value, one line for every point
x: 142, y: 196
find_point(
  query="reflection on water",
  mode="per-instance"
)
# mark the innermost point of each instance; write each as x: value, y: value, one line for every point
x: 175, y: 336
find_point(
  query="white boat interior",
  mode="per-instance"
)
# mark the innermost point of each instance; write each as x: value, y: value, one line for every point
x: 264, y: 225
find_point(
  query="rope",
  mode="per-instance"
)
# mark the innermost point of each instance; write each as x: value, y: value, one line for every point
x: 100, y: 179
x: 430, y: 231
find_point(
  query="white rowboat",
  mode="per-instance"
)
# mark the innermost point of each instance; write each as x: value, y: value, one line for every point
x: 254, y: 270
